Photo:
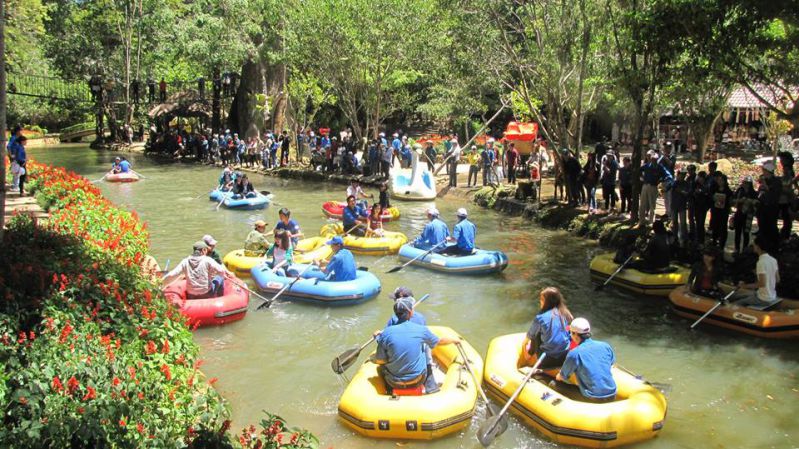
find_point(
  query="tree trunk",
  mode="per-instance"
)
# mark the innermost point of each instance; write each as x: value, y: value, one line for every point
x: 2, y: 116
x: 639, y: 122
x: 702, y: 129
x: 244, y: 114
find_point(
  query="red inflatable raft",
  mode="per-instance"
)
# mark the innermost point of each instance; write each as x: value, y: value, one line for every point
x: 334, y: 209
x: 232, y: 306
x: 122, y: 177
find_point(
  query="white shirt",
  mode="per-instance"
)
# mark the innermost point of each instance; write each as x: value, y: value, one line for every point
x: 767, y: 266
x: 355, y: 191
x: 199, y: 271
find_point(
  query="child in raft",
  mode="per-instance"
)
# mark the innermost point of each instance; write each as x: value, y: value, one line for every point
x: 281, y: 251
x: 375, y: 222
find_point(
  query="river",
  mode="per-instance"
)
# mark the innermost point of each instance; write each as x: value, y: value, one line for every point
x: 727, y: 390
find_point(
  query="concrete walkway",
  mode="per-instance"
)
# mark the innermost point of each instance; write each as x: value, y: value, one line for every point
x: 22, y: 205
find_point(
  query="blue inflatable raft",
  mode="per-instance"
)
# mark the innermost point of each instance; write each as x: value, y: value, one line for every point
x: 258, y: 201
x: 479, y: 262
x: 313, y: 288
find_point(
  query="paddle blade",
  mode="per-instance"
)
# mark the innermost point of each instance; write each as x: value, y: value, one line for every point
x: 265, y: 304
x: 395, y: 269
x: 345, y: 360
x: 493, y: 410
x: 491, y: 429
x: 599, y: 287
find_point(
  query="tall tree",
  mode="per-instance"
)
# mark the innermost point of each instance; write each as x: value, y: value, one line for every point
x: 641, y: 37
x: 371, y: 51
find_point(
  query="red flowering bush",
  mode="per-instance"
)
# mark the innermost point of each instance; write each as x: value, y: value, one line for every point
x: 91, y: 353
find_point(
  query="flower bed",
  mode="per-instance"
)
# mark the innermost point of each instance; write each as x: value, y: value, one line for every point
x: 91, y: 353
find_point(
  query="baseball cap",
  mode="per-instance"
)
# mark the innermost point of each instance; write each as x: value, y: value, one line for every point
x: 337, y: 240
x: 401, y: 292
x: 200, y: 245
x: 769, y: 166
x: 403, y: 306
x: 260, y: 223
x: 461, y: 212
x: 580, y: 326
x: 432, y: 211
x: 210, y: 241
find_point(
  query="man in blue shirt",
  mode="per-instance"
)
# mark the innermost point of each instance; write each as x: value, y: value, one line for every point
x: 591, y: 362
x: 400, y: 350
x: 287, y: 224
x: 434, y: 234
x: 463, y: 234
x: 21, y: 159
x: 124, y: 166
x: 354, y: 216
x: 405, y: 292
x: 341, y: 266
x: 652, y: 174
x: 396, y: 144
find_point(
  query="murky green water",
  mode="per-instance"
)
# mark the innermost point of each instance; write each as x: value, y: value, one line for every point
x: 728, y: 390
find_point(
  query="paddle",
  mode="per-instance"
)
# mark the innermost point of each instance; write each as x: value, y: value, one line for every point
x: 496, y: 425
x: 241, y: 284
x: 225, y: 196
x: 138, y: 174
x: 98, y: 180
x: 348, y: 357
x: 618, y: 270
x: 268, y: 302
x: 490, y: 407
x: 713, y: 309
x: 399, y: 267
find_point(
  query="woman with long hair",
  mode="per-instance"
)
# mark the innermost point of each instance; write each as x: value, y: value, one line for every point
x: 549, y: 331
x: 374, y: 226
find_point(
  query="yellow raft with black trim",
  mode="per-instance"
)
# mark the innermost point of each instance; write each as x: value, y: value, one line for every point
x: 637, y: 415
x: 305, y: 252
x: 390, y: 243
x: 366, y: 408
x: 653, y: 284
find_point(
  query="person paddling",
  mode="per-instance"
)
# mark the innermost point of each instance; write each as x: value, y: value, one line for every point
x: 281, y: 251
x: 375, y: 222
x: 549, y: 331
x: 463, y: 234
x: 434, y: 233
x: 124, y: 166
x: 354, y: 189
x: 591, y: 363
x: 243, y: 188
x: 341, y: 266
x: 400, y: 352
x: 115, y: 167
x: 354, y: 216
x: 204, y: 277
x: 706, y: 274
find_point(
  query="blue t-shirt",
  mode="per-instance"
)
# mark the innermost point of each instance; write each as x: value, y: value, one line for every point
x: 434, y: 233
x: 417, y: 318
x: 396, y: 144
x: 402, y: 347
x: 463, y: 232
x: 591, y: 361
x: 343, y: 264
x: 348, y: 216
x: 488, y: 157
x: 653, y: 173
x: 124, y: 166
x: 554, y: 334
x: 292, y: 226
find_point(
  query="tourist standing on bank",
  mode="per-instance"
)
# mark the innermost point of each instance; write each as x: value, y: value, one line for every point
x: 652, y: 174
x: 512, y: 158
x: 787, y: 195
x: 745, y: 199
x: 768, y: 209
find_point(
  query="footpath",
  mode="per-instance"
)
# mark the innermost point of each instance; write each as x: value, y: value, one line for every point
x: 16, y: 205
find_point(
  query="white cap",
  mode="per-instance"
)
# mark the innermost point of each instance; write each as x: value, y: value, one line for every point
x: 462, y: 212
x: 432, y: 211
x: 580, y: 326
x: 769, y: 166
x: 395, y: 135
x: 382, y: 134
x: 490, y: 140
x: 209, y: 240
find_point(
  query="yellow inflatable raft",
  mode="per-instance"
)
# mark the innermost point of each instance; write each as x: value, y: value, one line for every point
x: 390, y: 243
x: 366, y: 408
x: 305, y: 252
x: 637, y: 414
x: 654, y: 284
